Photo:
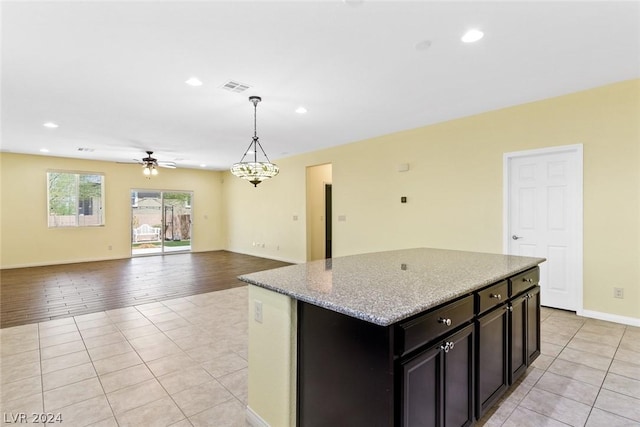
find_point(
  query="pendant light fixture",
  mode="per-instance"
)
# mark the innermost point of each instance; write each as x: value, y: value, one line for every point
x: 254, y: 171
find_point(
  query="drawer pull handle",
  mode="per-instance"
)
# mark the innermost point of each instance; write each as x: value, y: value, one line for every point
x: 447, y: 346
x: 445, y: 321
x: 528, y: 280
x: 497, y: 296
x: 510, y: 308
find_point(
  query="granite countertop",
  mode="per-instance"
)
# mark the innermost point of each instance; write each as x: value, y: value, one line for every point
x: 386, y: 287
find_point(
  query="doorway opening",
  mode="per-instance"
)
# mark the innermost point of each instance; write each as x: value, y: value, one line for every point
x: 327, y: 221
x: 543, y: 205
x: 319, y: 212
x: 160, y: 222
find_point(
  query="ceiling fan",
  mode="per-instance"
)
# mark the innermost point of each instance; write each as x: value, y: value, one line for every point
x: 150, y: 165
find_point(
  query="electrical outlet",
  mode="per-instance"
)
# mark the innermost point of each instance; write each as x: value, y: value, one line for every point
x: 618, y: 292
x: 257, y: 311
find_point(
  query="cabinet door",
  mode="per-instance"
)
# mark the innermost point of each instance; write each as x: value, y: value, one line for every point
x: 518, y: 337
x: 491, y: 374
x: 458, y: 378
x: 533, y: 324
x: 421, y: 394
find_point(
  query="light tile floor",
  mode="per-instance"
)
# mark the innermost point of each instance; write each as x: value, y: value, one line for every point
x: 183, y: 362
x: 588, y: 374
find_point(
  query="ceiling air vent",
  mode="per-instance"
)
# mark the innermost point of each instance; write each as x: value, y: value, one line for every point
x: 88, y: 150
x: 233, y: 86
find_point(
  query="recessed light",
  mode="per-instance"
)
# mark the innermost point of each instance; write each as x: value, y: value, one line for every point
x: 301, y: 110
x: 50, y: 125
x: 44, y: 150
x: 194, y: 81
x: 472, y: 36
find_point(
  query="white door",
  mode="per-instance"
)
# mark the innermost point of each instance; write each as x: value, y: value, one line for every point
x: 544, y: 219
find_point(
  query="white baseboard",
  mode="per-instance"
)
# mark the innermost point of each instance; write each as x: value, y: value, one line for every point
x: 262, y: 255
x: 254, y: 419
x: 63, y: 262
x: 632, y: 321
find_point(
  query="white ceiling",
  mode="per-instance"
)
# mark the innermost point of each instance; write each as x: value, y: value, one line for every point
x: 112, y: 74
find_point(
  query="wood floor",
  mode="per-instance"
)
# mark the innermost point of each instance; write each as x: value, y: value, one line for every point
x: 36, y: 294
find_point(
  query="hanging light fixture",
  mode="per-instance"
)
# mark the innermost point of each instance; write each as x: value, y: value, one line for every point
x: 149, y: 165
x: 255, y: 172
x: 149, y: 169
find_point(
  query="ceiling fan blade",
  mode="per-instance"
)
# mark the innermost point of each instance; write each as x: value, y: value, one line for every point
x: 169, y: 165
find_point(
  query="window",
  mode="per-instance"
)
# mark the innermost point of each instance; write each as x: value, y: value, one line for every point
x: 75, y: 199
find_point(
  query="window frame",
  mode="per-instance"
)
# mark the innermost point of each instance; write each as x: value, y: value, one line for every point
x: 77, y: 200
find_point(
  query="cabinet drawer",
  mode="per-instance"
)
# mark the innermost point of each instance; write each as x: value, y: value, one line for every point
x: 492, y: 296
x: 524, y: 281
x: 425, y: 328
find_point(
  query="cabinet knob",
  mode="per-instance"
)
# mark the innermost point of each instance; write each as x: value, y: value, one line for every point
x: 497, y: 296
x: 451, y: 345
x: 528, y: 280
x: 445, y: 347
x: 510, y: 307
x: 445, y: 321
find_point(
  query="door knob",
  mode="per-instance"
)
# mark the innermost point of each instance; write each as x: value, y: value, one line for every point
x: 514, y: 237
x: 444, y: 321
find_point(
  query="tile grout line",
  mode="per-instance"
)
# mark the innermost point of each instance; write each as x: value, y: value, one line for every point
x: 537, y: 380
x: 606, y: 374
x: 150, y: 370
x: 96, y: 371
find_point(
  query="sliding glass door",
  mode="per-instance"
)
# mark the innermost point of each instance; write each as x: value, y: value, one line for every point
x: 160, y: 221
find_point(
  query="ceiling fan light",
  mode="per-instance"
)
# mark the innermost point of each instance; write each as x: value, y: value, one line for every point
x: 146, y: 170
x: 154, y: 171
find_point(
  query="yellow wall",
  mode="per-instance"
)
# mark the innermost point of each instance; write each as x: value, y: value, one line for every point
x: 454, y: 189
x: 272, y: 358
x: 26, y: 240
x: 265, y: 214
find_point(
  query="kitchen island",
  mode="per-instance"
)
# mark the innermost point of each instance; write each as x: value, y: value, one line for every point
x: 408, y: 337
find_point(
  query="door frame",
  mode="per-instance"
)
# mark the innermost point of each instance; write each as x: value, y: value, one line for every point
x: 162, y: 251
x: 577, y: 150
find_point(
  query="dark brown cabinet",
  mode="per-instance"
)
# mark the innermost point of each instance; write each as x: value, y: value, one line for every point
x: 437, y: 384
x: 524, y: 331
x: 443, y: 367
x: 492, y: 357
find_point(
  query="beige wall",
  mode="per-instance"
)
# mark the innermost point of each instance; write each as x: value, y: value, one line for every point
x: 454, y: 189
x: 26, y: 240
x: 265, y: 214
x: 272, y: 357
